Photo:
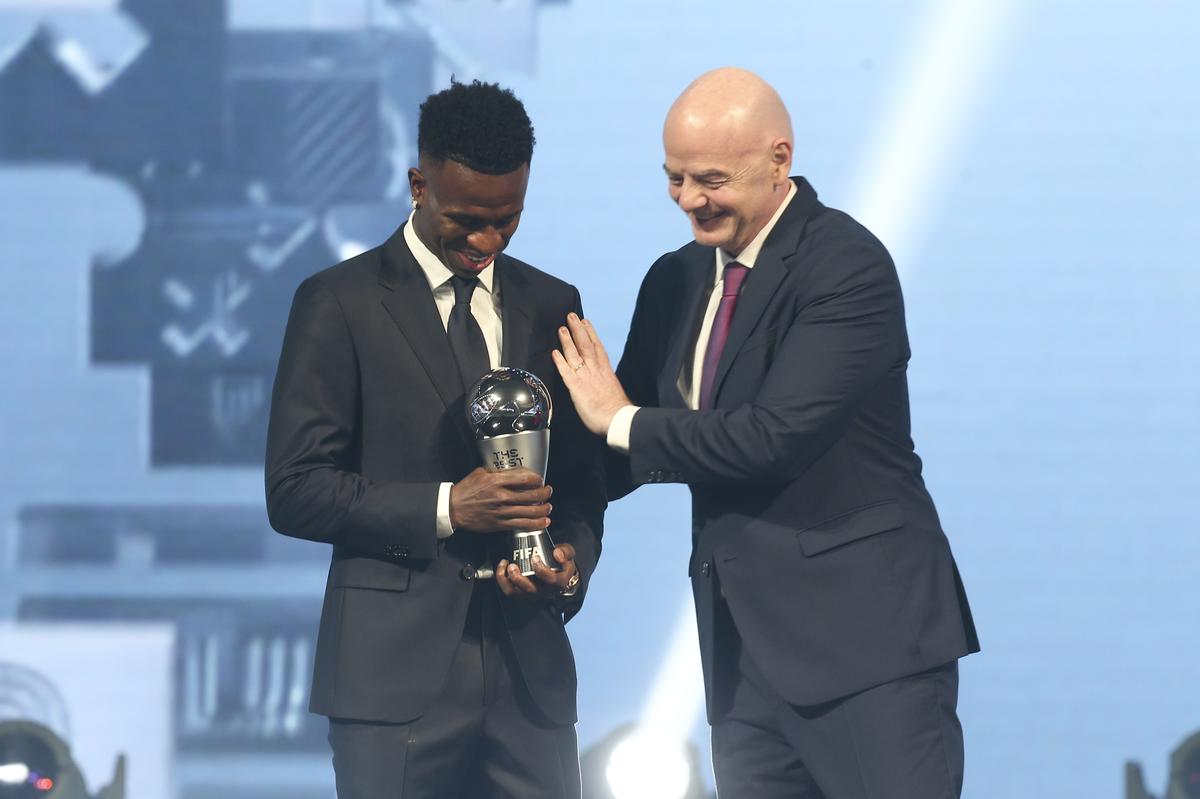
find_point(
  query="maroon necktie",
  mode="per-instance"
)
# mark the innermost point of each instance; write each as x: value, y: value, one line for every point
x: 731, y: 284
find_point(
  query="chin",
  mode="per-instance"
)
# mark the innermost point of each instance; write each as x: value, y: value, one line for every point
x: 710, y: 238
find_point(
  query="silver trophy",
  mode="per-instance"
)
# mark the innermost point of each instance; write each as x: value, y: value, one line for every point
x: 509, y: 411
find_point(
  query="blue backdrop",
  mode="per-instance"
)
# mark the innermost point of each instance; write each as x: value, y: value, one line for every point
x: 170, y: 170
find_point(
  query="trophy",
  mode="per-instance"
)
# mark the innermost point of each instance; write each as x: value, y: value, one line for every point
x: 509, y: 411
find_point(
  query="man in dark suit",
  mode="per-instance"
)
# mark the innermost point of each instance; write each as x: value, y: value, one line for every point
x: 765, y: 367
x: 436, y: 683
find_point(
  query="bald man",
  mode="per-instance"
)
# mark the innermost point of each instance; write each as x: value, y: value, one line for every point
x: 765, y: 368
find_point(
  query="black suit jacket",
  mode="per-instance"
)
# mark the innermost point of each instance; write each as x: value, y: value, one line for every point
x: 367, y: 419
x: 807, y: 497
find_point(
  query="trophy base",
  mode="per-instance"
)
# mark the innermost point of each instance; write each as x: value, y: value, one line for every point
x: 526, y: 545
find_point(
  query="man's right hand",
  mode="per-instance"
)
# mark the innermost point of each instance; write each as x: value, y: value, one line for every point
x: 504, y: 501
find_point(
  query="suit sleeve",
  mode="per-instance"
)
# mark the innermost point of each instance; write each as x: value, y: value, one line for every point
x: 841, y: 343
x: 576, y: 474
x: 313, y: 489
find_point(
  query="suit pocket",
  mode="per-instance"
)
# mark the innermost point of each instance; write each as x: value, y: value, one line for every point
x: 381, y: 575
x: 851, y: 526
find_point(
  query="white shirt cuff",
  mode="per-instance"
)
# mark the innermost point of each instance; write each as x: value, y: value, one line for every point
x: 619, y: 427
x: 444, y: 528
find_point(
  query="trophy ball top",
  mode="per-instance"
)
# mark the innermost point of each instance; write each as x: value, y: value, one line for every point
x: 508, y: 400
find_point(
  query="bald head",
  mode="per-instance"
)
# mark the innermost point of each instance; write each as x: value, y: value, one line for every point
x: 734, y: 106
x: 728, y: 144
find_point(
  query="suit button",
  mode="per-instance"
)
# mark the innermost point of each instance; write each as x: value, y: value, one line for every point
x: 468, y: 572
x: 705, y: 569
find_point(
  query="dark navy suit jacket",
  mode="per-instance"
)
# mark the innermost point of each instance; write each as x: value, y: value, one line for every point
x: 808, y: 507
x: 367, y: 419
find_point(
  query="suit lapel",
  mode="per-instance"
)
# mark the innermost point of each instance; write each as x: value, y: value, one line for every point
x: 409, y: 302
x: 768, y: 272
x: 516, y: 317
x: 698, y: 273
x: 757, y: 292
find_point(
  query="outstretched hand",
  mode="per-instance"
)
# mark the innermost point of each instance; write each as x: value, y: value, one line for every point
x: 588, y: 375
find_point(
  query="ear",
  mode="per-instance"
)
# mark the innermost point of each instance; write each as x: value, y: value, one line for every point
x: 416, y: 185
x: 781, y: 160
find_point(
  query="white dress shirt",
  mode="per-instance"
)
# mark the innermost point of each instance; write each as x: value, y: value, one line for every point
x: 485, y: 307
x: 690, y: 373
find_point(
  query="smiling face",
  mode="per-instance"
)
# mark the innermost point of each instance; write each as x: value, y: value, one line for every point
x: 728, y: 189
x: 466, y: 217
x: 728, y: 145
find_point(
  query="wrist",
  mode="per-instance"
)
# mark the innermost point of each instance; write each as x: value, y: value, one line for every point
x: 452, y: 512
x: 612, y: 411
x: 572, y: 586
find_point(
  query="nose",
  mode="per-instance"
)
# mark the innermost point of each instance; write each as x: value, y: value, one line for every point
x: 486, y: 241
x: 691, y: 196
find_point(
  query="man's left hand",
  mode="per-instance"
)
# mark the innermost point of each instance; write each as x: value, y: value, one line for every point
x: 588, y: 375
x: 548, y: 583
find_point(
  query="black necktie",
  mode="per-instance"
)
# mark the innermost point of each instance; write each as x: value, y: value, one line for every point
x: 466, y: 338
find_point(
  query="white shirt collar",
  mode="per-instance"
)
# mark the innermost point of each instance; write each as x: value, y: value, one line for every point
x: 749, y: 255
x: 436, y: 272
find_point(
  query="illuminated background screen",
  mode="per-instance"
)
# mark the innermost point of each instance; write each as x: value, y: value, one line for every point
x: 171, y: 169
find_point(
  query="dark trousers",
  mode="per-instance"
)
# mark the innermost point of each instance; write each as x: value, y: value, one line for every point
x: 482, y: 738
x: 900, y: 740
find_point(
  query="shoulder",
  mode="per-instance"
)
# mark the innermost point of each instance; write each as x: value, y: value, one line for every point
x: 339, y: 288
x: 676, y: 262
x: 345, y: 278
x: 839, y: 248
x: 672, y: 268
x: 830, y: 228
x: 543, y: 285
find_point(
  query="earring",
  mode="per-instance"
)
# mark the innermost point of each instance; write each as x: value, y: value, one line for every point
x: 415, y: 204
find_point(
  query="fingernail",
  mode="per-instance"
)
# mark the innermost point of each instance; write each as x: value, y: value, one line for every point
x: 513, y: 569
x: 549, y: 508
x: 573, y: 317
